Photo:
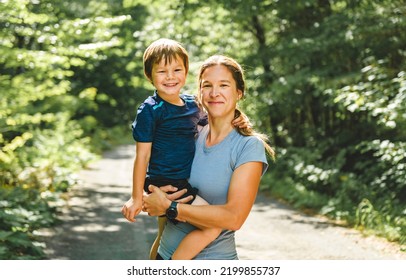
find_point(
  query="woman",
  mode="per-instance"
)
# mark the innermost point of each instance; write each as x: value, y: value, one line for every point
x: 227, y: 168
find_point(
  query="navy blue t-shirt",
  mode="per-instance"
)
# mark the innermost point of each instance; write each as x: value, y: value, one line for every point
x: 172, y: 130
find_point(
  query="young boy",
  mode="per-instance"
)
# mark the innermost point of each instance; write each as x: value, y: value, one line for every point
x: 165, y: 129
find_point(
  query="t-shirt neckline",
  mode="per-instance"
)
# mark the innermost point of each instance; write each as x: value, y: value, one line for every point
x: 208, y: 149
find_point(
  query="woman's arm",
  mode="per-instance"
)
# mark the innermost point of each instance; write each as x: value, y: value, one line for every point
x: 231, y: 215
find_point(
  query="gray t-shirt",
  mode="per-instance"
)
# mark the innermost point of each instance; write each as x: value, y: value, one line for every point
x: 211, y: 173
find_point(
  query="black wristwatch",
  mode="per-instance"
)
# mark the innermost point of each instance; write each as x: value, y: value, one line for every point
x: 172, y: 212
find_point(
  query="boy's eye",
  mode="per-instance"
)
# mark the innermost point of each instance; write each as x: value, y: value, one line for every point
x: 177, y: 70
x: 224, y: 85
x: 206, y: 86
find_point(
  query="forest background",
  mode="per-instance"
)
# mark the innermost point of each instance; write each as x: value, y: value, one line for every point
x: 326, y: 82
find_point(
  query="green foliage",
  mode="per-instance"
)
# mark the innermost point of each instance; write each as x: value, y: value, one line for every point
x: 22, y: 211
x: 380, y: 223
x: 44, y: 125
x: 293, y: 193
x: 326, y: 82
x: 379, y: 94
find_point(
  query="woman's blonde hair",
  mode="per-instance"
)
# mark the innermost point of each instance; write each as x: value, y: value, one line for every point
x: 238, y: 75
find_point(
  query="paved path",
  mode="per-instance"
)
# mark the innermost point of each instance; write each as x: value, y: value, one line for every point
x: 93, y: 227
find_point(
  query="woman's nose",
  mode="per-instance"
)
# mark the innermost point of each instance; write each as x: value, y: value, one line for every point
x: 214, y: 92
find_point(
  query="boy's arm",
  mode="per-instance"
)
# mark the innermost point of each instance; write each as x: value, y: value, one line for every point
x: 143, y: 154
x: 241, y: 120
x: 134, y: 205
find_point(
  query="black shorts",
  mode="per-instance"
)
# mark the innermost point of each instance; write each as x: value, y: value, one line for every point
x: 180, y: 184
x: 160, y: 258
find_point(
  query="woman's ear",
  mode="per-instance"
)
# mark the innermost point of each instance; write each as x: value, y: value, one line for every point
x: 239, y: 92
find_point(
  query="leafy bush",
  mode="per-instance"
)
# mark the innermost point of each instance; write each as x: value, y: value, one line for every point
x: 34, y: 175
x: 22, y: 211
x: 371, y: 197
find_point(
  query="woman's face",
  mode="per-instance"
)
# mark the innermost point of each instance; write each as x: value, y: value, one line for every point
x: 219, y: 92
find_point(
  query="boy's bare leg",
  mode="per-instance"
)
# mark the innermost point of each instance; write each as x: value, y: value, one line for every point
x: 194, y: 243
x: 197, y: 240
x: 155, y: 245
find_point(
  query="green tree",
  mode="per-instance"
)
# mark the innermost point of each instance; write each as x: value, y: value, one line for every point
x: 42, y: 130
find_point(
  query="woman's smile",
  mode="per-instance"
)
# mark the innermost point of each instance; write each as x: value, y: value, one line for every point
x: 215, y: 102
x: 219, y: 91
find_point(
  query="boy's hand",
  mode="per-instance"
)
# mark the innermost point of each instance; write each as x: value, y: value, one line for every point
x: 241, y: 121
x: 131, y: 209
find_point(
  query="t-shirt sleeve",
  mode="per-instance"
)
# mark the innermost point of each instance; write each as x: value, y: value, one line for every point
x: 252, y: 150
x: 143, y: 127
x: 203, y: 119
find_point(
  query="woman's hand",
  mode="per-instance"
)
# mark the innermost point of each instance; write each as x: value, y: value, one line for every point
x: 158, y: 200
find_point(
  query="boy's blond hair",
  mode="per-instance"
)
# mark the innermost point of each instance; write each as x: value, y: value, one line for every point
x: 164, y: 49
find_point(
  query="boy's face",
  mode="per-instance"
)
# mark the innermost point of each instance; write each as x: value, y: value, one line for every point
x: 169, y: 78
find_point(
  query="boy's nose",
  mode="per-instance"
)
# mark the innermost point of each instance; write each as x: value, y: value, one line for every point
x: 169, y: 75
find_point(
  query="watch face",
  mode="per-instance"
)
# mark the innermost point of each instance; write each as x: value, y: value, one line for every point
x: 172, y: 212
